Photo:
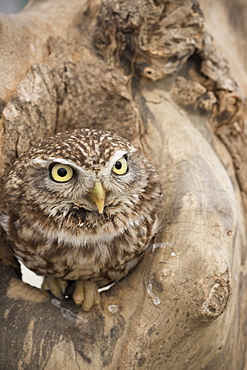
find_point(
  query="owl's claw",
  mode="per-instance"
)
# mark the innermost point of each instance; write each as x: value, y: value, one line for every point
x: 56, y: 286
x: 86, y: 294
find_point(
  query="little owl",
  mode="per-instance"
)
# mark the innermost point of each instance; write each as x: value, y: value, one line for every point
x: 83, y: 206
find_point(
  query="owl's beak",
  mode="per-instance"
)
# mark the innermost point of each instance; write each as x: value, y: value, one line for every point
x: 97, y: 194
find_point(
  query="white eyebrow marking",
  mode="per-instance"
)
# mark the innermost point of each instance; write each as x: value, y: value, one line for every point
x: 115, y: 157
x: 46, y: 162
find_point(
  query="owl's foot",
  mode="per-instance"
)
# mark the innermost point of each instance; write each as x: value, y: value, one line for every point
x: 86, y: 294
x: 57, y: 286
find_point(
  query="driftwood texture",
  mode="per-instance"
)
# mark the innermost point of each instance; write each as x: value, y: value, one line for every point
x: 150, y: 71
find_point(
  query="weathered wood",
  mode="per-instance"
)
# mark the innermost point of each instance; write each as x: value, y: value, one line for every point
x: 149, y: 71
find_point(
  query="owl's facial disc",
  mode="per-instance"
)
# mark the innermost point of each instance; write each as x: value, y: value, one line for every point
x: 92, y: 189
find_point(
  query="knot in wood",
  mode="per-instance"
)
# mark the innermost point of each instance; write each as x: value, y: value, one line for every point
x: 216, y: 301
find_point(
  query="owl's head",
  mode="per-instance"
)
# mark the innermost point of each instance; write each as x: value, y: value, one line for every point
x: 89, y: 169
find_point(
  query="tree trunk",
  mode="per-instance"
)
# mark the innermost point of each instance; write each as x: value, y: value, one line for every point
x: 151, y: 72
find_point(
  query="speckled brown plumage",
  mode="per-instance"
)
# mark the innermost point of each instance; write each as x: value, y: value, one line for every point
x: 59, y: 229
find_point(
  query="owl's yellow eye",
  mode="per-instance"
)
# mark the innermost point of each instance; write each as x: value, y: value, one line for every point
x: 120, y: 167
x: 61, y: 172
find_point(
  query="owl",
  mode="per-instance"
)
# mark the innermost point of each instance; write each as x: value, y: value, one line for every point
x: 82, y: 206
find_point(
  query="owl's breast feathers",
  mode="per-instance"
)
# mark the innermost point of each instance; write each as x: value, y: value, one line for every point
x: 77, y: 243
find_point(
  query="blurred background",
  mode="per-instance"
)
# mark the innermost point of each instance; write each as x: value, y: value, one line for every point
x: 12, y: 6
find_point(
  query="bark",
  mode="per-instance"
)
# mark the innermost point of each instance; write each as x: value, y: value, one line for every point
x: 151, y: 72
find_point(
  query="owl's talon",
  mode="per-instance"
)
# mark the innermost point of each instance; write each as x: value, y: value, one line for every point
x: 56, y: 286
x: 63, y: 284
x: 86, y: 294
